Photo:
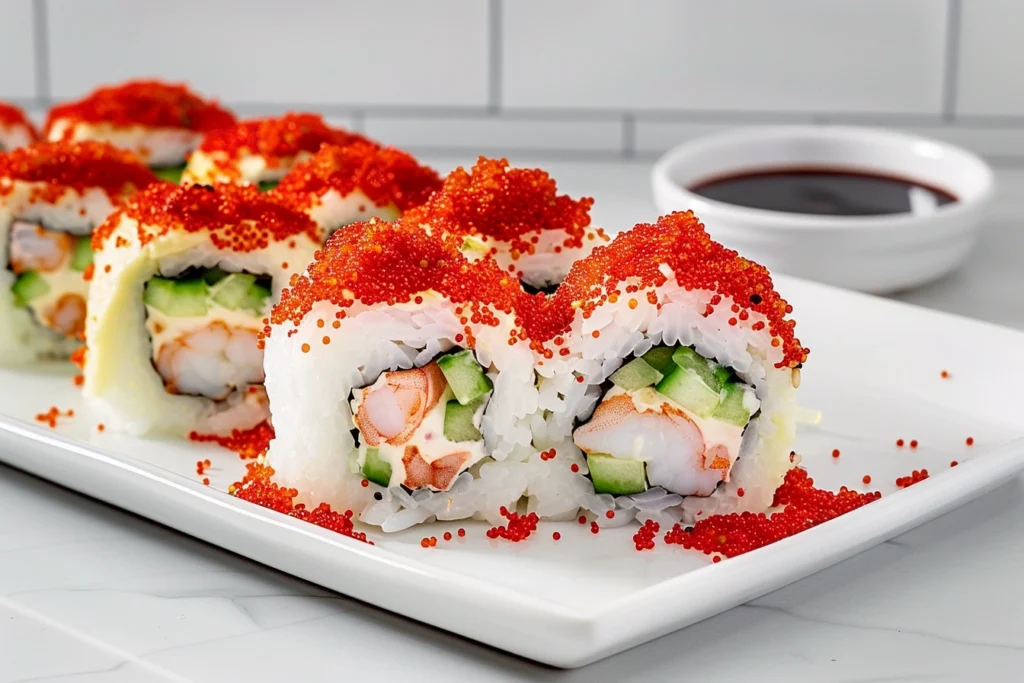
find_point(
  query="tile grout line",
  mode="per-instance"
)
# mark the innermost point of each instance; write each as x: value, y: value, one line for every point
x: 951, y: 65
x: 359, y: 121
x: 41, y: 52
x: 628, y: 136
x: 494, y: 64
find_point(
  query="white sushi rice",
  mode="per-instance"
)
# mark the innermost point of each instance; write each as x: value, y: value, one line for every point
x: 156, y: 146
x: 546, y: 266
x: 22, y: 338
x: 332, y: 210
x: 14, y: 135
x: 626, y: 332
x: 207, y: 168
x: 120, y: 380
x: 314, y: 450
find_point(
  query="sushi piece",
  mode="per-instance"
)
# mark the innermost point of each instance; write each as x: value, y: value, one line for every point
x: 678, y: 378
x: 344, y: 184
x: 184, y: 279
x: 261, y: 151
x: 52, y: 195
x: 15, y: 128
x: 400, y: 380
x: 160, y: 122
x: 516, y: 216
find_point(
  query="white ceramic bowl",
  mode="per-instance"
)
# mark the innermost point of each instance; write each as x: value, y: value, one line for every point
x: 870, y: 253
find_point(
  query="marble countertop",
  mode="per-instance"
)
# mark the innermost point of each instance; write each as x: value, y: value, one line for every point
x: 89, y: 593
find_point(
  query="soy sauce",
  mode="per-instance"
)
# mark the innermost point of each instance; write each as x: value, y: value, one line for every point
x: 824, y: 191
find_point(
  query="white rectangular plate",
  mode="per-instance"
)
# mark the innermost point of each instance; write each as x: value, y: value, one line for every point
x: 874, y: 372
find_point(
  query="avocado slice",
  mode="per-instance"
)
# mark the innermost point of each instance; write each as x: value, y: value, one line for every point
x: 660, y: 358
x: 170, y: 173
x: 686, y: 387
x: 214, y: 275
x: 731, y: 408
x: 458, y: 421
x: 636, y: 374
x: 465, y: 376
x: 617, y: 476
x: 268, y: 185
x: 29, y: 285
x: 177, y: 298
x: 376, y: 469
x: 81, y: 255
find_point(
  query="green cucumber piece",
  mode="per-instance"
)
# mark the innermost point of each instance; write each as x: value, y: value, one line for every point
x: 731, y: 408
x: 170, y: 173
x: 81, y: 255
x: 660, y: 358
x: 268, y: 185
x: 458, y: 421
x: 636, y: 374
x: 231, y: 291
x: 465, y: 376
x: 617, y: 476
x: 376, y: 469
x: 28, y: 286
x: 256, y: 299
x: 177, y: 298
x: 688, y: 359
x: 214, y: 275
x: 685, y: 387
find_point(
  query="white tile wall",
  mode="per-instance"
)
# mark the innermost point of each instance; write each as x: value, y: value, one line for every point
x: 579, y: 78
x: 17, y: 50
x: 782, y: 55
x: 989, y: 80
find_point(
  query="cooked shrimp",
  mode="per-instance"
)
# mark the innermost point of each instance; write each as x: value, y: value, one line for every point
x: 665, y: 437
x: 395, y: 405
x: 67, y: 315
x: 33, y: 248
x: 211, y: 361
x: 438, y: 474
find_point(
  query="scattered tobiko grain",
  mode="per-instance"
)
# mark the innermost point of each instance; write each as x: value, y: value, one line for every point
x: 899, y: 443
x: 643, y: 539
x: 866, y: 479
x: 914, y: 477
x: 518, y: 528
x: 969, y: 441
x: 913, y: 443
x: 462, y: 533
x: 594, y: 528
x: 447, y: 535
x: 835, y: 453
x: 953, y: 463
x: 556, y: 536
x: 944, y: 374
x: 804, y: 507
x: 51, y: 416
x: 248, y: 443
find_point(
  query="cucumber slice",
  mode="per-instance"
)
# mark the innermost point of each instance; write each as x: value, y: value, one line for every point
x: 256, y: 299
x: 731, y: 409
x: 458, y: 421
x: 29, y: 285
x: 214, y: 275
x: 617, y: 476
x: 231, y: 291
x: 170, y: 173
x: 660, y: 358
x: 688, y: 359
x: 636, y: 374
x: 376, y: 469
x: 685, y: 387
x: 81, y: 255
x: 268, y: 185
x: 177, y: 298
x: 464, y: 375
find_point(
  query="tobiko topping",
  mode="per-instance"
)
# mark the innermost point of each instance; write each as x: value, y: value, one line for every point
x: 680, y: 242
x: 146, y: 103
x: 248, y: 443
x: 277, y: 138
x: 504, y: 203
x: 239, y: 217
x: 14, y: 116
x: 75, y: 165
x: 384, y: 174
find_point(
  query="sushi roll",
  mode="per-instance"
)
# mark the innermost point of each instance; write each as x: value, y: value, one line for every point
x: 184, y: 278
x: 400, y: 378
x: 261, y: 151
x: 516, y: 216
x: 160, y: 122
x: 52, y: 195
x: 15, y: 128
x: 340, y: 185
x: 674, y: 372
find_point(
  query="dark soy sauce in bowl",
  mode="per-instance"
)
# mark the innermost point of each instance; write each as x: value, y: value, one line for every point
x: 823, y: 191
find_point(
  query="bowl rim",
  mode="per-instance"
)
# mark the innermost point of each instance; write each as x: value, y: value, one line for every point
x: 664, y: 185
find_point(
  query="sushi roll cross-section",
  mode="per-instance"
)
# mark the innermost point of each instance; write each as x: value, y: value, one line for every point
x: 184, y: 281
x: 160, y: 122
x: 516, y: 217
x: 343, y: 184
x: 52, y: 196
x: 262, y: 151
x: 15, y: 128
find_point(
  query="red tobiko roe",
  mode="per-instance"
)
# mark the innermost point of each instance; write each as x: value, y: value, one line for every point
x: 248, y: 443
x: 58, y: 166
x: 148, y: 103
x: 496, y: 201
x: 278, y: 137
x: 14, y: 116
x: 680, y: 242
x: 239, y: 217
x: 384, y: 174
x: 392, y: 262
